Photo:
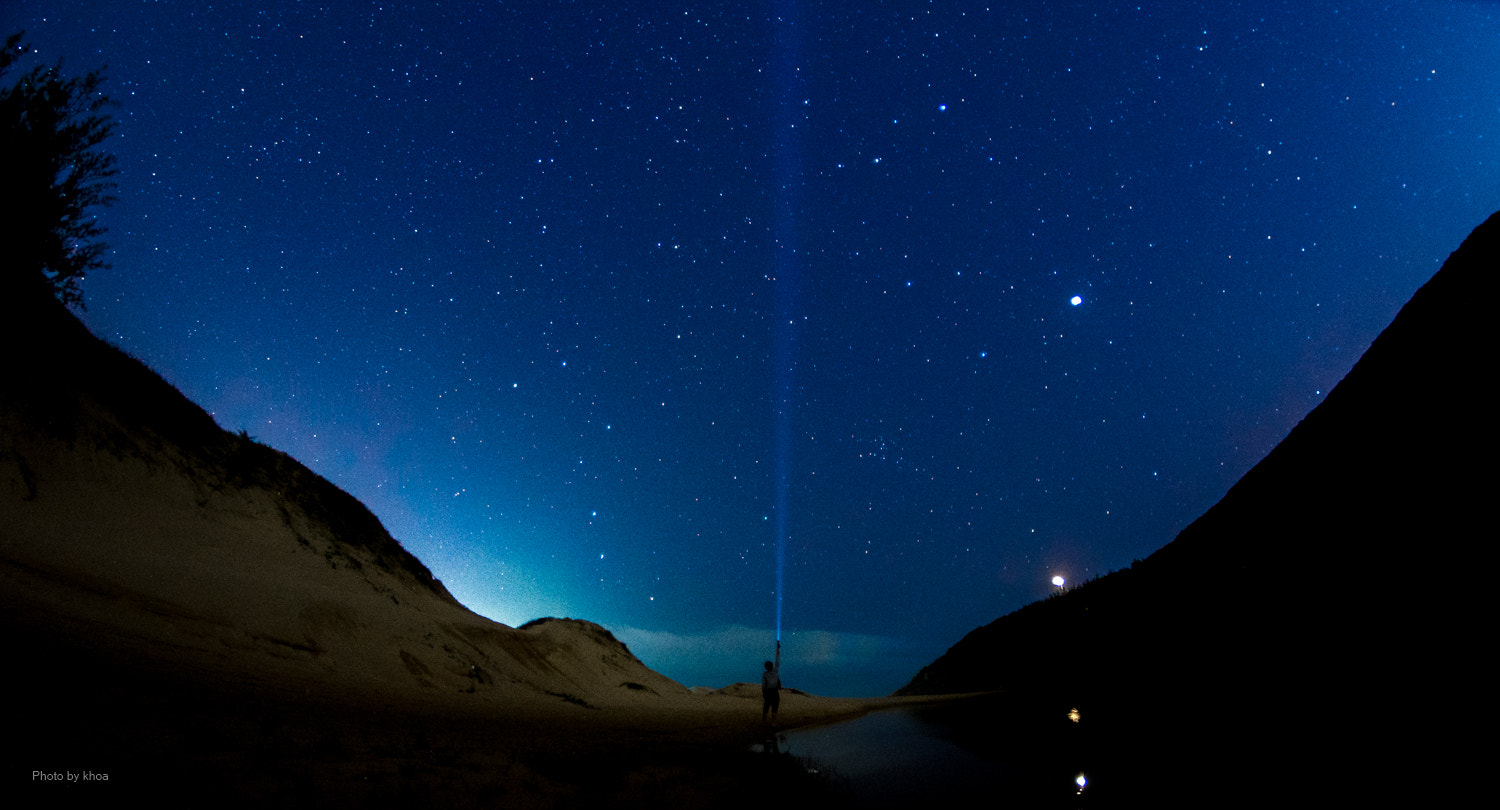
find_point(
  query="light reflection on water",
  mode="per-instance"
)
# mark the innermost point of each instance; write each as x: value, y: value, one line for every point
x: 889, y: 755
x: 900, y: 756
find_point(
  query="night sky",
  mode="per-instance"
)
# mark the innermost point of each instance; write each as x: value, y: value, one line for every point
x: 599, y: 305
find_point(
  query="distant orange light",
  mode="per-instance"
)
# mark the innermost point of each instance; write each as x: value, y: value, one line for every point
x: 1058, y: 581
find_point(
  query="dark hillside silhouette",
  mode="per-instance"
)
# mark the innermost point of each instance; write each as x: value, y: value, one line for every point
x: 1320, y: 631
x: 65, y: 382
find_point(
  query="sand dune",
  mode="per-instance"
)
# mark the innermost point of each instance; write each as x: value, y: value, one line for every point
x: 180, y: 569
x: 177, y: 594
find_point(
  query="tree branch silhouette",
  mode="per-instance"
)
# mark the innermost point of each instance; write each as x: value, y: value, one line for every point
x: 52, y: 174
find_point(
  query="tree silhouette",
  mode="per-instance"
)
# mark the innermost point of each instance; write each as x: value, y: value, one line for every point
x: 51, y: 174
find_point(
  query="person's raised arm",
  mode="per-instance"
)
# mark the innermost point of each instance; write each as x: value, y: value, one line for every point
x: 778, y: 656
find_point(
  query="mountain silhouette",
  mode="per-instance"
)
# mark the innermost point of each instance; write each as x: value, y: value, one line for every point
x: 1319, y: 632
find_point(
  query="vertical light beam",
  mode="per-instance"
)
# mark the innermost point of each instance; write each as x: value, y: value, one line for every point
x: 786, y: 147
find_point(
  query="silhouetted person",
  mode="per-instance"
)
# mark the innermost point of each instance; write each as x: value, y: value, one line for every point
x: 770, y: 687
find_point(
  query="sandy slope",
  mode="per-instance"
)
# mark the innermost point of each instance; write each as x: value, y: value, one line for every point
x: 174, y: 569
x: 173, y: 593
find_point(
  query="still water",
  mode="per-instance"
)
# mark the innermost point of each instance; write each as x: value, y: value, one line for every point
x: 979, y: 752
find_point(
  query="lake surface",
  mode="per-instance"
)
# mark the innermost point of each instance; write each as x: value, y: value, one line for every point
x: 968, y: 753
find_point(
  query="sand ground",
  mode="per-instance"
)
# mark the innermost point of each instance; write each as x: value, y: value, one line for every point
x: 192, y: 742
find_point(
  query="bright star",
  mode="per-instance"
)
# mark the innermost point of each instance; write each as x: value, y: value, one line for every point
x: 1076, y: 300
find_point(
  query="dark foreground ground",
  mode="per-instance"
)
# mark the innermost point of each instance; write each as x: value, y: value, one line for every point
x: 84, y: 729
x: 174, y: 741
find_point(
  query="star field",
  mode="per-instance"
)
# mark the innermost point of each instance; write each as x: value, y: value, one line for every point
x: 1026, y: 289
